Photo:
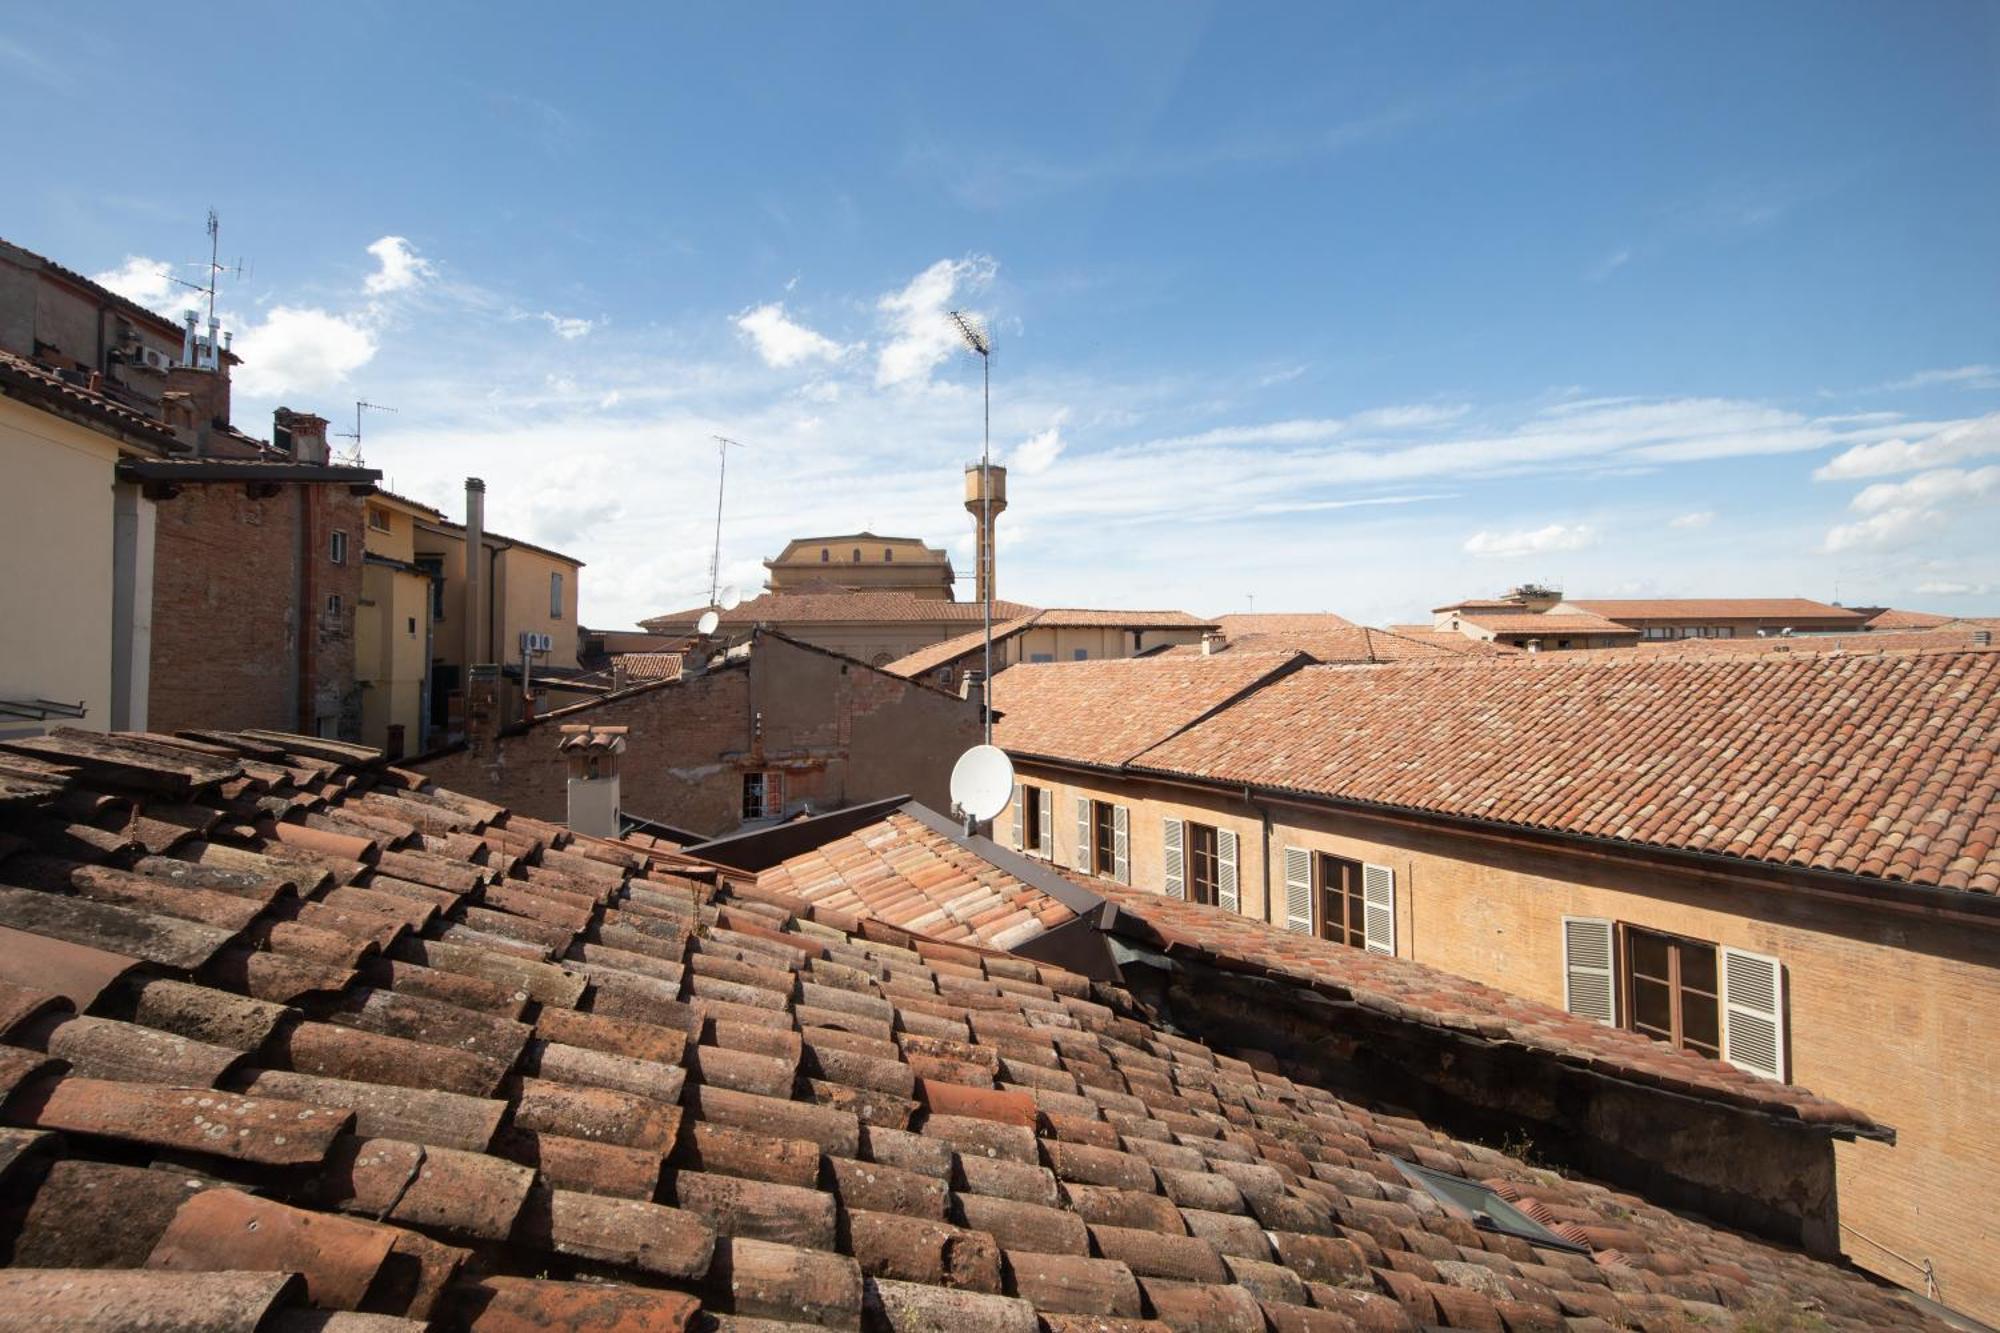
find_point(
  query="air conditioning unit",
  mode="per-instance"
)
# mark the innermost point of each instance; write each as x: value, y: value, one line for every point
x: 532, y: 642
x: 149, y: 358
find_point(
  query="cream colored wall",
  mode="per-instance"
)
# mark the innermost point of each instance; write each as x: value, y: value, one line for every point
x: 398, y: 541
x: 1898, y: 1016
x: 521, y: 601
x: 390, y: 654
x: 56, y: 551
x: 1062, y: 643
x: 448, y: 631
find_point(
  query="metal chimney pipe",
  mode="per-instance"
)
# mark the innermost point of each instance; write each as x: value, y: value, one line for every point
x: 475, y: 572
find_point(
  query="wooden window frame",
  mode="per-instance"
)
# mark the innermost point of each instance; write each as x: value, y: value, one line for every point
x: 1032, y: 799
x: 1103, y: 838
x: 1678, y: 991
x: 1352, y: 928
x: 1203, y: 852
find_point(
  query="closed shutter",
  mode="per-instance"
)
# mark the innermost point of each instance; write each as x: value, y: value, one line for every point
x: 1588, y: 989
x: 1378, y: 908
x: 1017, y: 816
x: 1225, y: 871
x: 1753, y: 1013
x: 1046, y: 817
x: 1298, y: 890
x: 774, y: 794
x: 1174, y: 862
x: 1121, y: 844
x: 1083, y: 831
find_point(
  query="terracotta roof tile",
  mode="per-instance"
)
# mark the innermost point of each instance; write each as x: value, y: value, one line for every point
x: 1106, y: 712
x: 939, y: 1134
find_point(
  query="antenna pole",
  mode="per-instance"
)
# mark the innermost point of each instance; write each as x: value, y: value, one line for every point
x: 722, y: 443
x: 356, y: 434
x: 980, y: 342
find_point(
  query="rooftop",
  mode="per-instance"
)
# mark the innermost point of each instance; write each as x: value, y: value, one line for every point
x: 1354, y: 643
x: 33, y: 382
x: 1060, y: 617
x: 336, y: 1039
x: 1876, y: 766
x: 1546, y: 623
x: 1714, y: 608
x: 841, y: 607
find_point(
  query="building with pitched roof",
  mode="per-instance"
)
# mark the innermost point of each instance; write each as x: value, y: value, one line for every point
x: 1542, y: 618
x: 349, y: 1047
x: 1757, y: 857
x: 861, y: 562
x: 1059, y: 634
x: 877, y: 627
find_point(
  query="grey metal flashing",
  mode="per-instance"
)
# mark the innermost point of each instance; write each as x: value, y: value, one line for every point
x: 760, y: 849
x: 1029, y: 871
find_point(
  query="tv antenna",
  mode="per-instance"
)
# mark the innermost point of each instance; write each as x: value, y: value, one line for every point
x: 722, y: 446
x: 355, y: 434
x: 214, y: 266
x: 980, y: 343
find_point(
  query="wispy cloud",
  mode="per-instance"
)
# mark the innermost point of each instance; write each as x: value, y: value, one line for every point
x: 1955, y: 442
x: 568, y: 327
x: 783, y: 341
x: 1530, y: 541
x: 921, y: 337
x: 1701, y: 518
x: 1901, y: 513
x: 1957, y: 377
x: 1609, y: 265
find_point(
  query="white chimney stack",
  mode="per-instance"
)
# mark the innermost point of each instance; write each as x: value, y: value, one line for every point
x: 593, y: 755
x: 476, y: 647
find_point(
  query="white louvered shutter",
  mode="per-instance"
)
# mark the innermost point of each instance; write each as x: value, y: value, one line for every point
x: 1017, y: 816
x: 1225, y: 871
x: 1298, y: 890
x: 1046, y: 816
x: 1121, y: 844
x: 1174, y: 861
x: 1083, y: 856
x: 1378, y: 908
x: 1588, y: 989
x: 1753, y: 1012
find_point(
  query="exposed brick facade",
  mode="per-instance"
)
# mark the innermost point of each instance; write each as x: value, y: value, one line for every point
x: 840, y: 732
x: 228, y: 597
x: 1894, y: 1012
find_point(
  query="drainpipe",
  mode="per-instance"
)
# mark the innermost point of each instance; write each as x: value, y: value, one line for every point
x: 1263, y: 814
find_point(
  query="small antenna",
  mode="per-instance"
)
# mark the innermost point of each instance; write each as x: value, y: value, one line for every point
x: 354, y: 455
x: 214, y: 266
x: 722, y: 446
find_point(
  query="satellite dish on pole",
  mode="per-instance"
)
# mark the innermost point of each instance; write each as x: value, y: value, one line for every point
x: 982, y: 782
x: 706, y: 625
x: 732, y: 597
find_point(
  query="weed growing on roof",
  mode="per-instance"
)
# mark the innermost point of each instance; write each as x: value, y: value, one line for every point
x: 1774, y: 1314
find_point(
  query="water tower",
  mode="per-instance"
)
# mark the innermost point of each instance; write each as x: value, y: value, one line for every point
x: 984, y: 501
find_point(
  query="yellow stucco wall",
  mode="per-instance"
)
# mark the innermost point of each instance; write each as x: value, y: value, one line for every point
x: 56, y: 548
x: 390, y: 639
x: 521, y: 601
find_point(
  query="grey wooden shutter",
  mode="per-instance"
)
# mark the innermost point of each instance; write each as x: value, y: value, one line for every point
x: 1083, y: 849
x: 1753, y: 1012
x: 1046, y: 816
x: 1225, y: 871
x: 1017, y: 816
x: 1588, y: 988
x: 1378, y: 908
x: 1174, y: 862
x: 1298, y: 890
x: 1121, y: 844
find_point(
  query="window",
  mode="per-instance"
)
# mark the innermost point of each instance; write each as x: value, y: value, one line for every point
x: 1080, y: 655
x: 824, y: 555
x: 1041, y: 657
x: 333, y: 606
x: 433, y: 565
x: 412, y: 631
x: 338, y: 550
x: 555, y: 595
x: 1672, y: 992
x: 1711, y: 999
x: 378, y: 519
x: 888, y: 555
x: 1201, y: 865
x: 1483, y: 1208
x: 855, y: 557
x: 1343, y: 906
x: 1033, y: 822
x: 763, y: 795
x: 1103, y: 839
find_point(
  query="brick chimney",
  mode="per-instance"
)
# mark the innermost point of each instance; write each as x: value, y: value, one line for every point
x: 593, y: 755
x: 1213, y: 642
x: 207, y: 393
x: 300, y: 435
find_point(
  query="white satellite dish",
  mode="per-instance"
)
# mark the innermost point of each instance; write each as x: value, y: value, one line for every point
x: 732, y: 597
x: 982, y: 782
x: 706, y: 625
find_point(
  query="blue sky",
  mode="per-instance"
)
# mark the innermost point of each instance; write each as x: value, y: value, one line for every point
x: 1354, y: 308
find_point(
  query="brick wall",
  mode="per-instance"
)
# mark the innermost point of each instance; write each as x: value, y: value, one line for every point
x: 839, y: 732
x: 1897, y: 1014
x: 226, y: 593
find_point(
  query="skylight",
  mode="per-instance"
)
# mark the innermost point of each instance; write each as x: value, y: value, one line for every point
x: 1482, y: 1207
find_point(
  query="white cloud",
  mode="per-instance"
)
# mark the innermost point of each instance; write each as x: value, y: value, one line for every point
x: 1900, y: 513
x: 922, y: 336
x: 1535, y: 541
x: 401, y: 267
x: 149, y: 282
x: 1701, y: 518
x: 1307, y: 430
x: 1952, y: 588
x: 1036, y: 454
x: 1959, y: 377
x: 300, y: 351
x: 1955, y: 443
x: 783, y: 341
x: 1609, y: 265
x: 568, y: 327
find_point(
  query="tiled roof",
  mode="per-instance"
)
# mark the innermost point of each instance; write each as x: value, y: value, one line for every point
x: 1356, y: 643
x: 1280, y: 622
x: 31, y: 380
x: 1415, y: 992
x: 1807, y: 645
x: 904, y: 873
x: 1881, y: 766
x: 1891, y: 618
x: 1545, y: 623
x: 1061, y: 617
x: 833, y: 608
x: 1106, y: 712
x: 649, y: 666
x: 284, y: 1031
x: 1640, y: 610
x: 1452, y: 641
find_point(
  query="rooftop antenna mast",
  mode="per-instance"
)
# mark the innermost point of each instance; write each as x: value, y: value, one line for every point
x: 722, y: 446
x: 214, y: 266
x: 355, y: 434
x: 981, y: 343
